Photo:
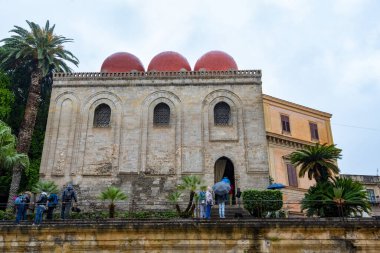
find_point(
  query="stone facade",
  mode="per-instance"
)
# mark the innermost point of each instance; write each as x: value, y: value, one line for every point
x: 146, y: 160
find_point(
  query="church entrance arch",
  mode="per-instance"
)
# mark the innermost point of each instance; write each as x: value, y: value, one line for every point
x: 225, y: 168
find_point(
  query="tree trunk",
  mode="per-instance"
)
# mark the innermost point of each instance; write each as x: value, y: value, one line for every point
x: 112, y: 211
x: 190, y: 201
x: 26, y: 131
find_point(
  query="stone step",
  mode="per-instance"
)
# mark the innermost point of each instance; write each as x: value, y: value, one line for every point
x: 230, y: 212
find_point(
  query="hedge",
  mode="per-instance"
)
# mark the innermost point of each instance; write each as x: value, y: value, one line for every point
x: 260, y: 202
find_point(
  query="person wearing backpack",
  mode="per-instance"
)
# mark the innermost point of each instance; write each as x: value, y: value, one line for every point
x: 68, y: 196
x: 41, y: 208
x: 27, y: 195
x: 20, y: 206
x: 52, y: 204
x: 202, y: 203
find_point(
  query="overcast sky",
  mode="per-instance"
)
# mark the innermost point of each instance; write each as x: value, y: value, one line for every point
x: 321, y: 54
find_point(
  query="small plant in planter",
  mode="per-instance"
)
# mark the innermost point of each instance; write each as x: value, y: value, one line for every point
x: 112, y: 194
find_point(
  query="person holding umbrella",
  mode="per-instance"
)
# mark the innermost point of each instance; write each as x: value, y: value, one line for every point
x: 221, y: 190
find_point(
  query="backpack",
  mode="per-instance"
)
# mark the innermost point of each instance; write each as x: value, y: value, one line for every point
x: 202, y: 196
x: 67, y: 195
x: 53, y: 200
x: 19, y: 200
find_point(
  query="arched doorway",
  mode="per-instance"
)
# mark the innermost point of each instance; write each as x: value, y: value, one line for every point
x: 225, y: 168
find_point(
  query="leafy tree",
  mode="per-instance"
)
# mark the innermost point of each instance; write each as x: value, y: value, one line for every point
x: 113, y: 194
x: 319, y: 161
x: 6, y: 97
x: 43, y: 52
x: 8, y: 154
x: 45, y: 186
x: 342, y: 197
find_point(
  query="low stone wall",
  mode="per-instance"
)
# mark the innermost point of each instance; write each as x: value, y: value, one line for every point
x: 286, y: 235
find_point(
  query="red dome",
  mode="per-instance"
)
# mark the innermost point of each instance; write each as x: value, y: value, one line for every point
x: 169, y: 61
x: 122, y: 62
x: 215, y: 60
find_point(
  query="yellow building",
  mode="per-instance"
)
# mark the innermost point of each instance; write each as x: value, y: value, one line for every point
x: 290, y: 127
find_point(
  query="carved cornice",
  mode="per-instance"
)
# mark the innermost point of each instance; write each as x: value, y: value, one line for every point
x: 287, y: 141
x: 287, y: 104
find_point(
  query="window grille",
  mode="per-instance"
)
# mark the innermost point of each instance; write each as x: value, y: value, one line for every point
x: 161, y: 115
x: 222, y: 114
x: 102, y: 116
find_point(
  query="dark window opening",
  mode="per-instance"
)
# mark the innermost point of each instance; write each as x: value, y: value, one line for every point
x: 371, y: 196
x: 292, y: 175
x: 161, y: 115
x: 222, y: 114
x: 314, y: 131
x: 285, y: 123
x: 102, y: 116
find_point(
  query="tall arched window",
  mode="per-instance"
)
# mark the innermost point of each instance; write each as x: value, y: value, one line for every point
x: 222, y: 114
x: 102, y: 116
x: 161, y: 115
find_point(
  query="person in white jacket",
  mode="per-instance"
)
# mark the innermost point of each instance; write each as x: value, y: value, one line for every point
x: 209, y: 202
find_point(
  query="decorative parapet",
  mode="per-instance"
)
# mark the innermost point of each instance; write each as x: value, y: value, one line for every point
x: 158, y: 75
x: 287, y: 141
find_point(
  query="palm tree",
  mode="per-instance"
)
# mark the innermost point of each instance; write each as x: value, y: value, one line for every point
x: 190, y: 183
x: 174, y: 198
x: 45, y: 186
x: 8, y: 154
x: 43, y: 52
x: 319, y: 161
x: 113, y: 194
x: 340, y: 198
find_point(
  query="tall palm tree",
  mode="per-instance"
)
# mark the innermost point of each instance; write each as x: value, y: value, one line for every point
x: 319, y: 161
x: 43, y: 52
x: 113, y: 194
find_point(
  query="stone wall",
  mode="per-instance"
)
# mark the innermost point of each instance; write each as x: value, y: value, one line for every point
x: 279, y: 236
x: 147, y: 161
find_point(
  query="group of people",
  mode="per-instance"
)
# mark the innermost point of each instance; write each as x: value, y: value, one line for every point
x: 223, y: 191
x: 45, y: 203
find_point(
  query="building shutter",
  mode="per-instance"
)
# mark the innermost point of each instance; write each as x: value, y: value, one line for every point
x: 292, y: 175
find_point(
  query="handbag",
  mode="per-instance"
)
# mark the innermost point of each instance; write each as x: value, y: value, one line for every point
x: 75, y: 209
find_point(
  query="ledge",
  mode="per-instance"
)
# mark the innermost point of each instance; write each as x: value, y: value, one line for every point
x: 161, y: 74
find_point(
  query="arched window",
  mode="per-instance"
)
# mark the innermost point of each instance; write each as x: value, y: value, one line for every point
x: 102, y: 116
x: 222, y: 114
x: 161, y: 115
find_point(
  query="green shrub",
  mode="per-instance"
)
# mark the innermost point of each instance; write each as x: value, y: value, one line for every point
x: 90, y: 215
x: 168, y: 214
x: 258, y: 203
x: 6, y: 215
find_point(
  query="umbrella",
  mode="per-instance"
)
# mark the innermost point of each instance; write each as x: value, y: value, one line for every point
x: 276, y: 186
x: 221, y: 188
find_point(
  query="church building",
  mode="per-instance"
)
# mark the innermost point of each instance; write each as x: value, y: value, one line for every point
x: 143, y: 130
